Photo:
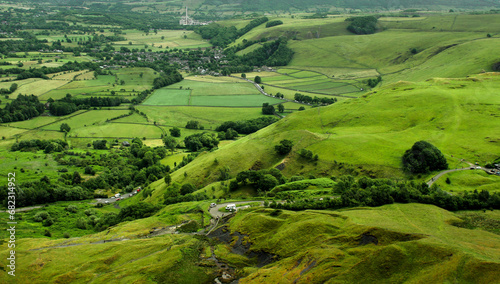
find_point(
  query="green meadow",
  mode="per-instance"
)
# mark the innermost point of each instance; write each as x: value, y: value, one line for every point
x: 211, y: 93
x: 469, y: 181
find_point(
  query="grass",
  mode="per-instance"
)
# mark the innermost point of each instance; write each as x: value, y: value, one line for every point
x: 414, y: 242
x: 208, y: 117
x: 455, y: 115
x: 111, y: 130
x: 168, y: 97
x: 469, y: 181
x: 35, y: 87
x: 83, y: 119
x: 234, y: 101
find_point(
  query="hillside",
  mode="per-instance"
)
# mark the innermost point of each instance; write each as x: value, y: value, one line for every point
x: 455, y: 115
x: 357, y: 246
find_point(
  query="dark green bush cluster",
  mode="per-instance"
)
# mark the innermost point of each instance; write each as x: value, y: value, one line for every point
x: 274, y: 23
x: 374, y: 82
x: 362, y: 25
x: 377, y: 192
x: 200, y: 141
x: 423, y: 157
x: 264, y: 180
x: 247, y: 126
x: 48, y: 146
x: 22, y: 108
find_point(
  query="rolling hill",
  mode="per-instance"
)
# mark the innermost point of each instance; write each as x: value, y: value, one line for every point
x: 455, y: 115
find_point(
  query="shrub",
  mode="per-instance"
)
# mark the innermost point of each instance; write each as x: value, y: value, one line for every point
x: 72, y: 208
x: 423, y: 157
x: 40, y: 216
x: 284, y: 147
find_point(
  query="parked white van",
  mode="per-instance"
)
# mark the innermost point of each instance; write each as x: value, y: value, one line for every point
x: 231, y: 207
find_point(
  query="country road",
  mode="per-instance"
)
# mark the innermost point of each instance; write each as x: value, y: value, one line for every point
x: 214, y: 211
x: 471, y: 167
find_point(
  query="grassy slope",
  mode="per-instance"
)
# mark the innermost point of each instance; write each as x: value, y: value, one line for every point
x: 455, y: 115
x: 415, y: 243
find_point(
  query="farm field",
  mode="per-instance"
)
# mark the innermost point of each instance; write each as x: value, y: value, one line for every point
x: 303, y: 81
x: 210, y: 117
x: 113, y: 130
x: 389, y: 121
x: 161, y: 40
x: 214, y: 92
x: 87, y: 118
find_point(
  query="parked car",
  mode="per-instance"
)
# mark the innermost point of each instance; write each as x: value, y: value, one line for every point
x: 231, y: 207
x: 213, y: 205
x: 117, y: 199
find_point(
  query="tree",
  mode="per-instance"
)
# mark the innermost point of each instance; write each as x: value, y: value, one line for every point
x: 187, y: 188
x: 13, y: 87
x: 176, y: 132
x: 100, y: 144
x: 77, y: 179
x: 170, y: 143
x: 284, y: 147
x: 243, y: 75
x: 267, y: 182
x: 302, y: 108
x: 423, y: 157
x: 65, y: 127
x: 193, y: 124
x: 257, y: 79
x: 168, y: 179
x: 281, y: 108
x: 268, y: 109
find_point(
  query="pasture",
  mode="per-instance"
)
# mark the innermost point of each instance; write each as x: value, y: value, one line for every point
x: 212, y: 92
x: 469, y: 181
x: 210, y: 117
x: 83, y: 119
x: 161, y: 40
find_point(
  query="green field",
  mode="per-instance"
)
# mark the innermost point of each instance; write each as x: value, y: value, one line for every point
x: 210, y: 117
x: 210, y: 92
x: 84, y: 119
x: 168, y: 97
x: 233, y: 101
x: 469, y: 181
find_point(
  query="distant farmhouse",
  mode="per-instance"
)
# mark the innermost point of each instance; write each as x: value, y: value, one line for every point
x: 187, y: 21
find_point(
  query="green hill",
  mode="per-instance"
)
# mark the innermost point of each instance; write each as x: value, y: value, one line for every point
x: 393, y: 243
x: 370, y: 134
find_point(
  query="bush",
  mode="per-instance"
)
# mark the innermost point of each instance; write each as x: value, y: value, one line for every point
x: 81, y: 223
x: 273, y: 23
x: 423, y: 157
x: 72, y: 208
x: 284, y: 147
x: 48, y: 222
x: 40, y: 216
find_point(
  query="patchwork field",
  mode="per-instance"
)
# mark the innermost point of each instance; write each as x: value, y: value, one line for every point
x: 304, y: 81
x: 210, y: 92
x: 210, y: 117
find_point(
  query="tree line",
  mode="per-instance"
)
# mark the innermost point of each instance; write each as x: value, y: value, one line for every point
x: 377, y: 192
x: 24, y: 107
